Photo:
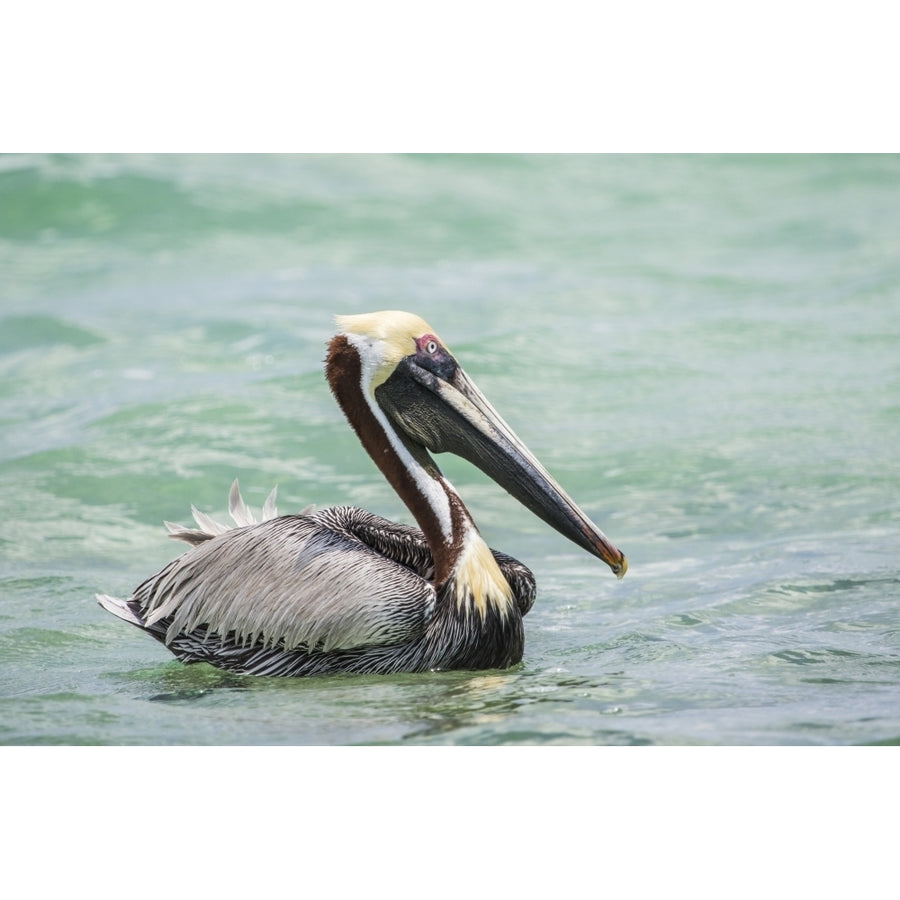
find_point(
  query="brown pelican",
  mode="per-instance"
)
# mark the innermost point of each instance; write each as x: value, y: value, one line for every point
x: 342, y: 590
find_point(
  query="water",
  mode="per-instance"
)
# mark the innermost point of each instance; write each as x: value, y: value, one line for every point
x: 703, y: 350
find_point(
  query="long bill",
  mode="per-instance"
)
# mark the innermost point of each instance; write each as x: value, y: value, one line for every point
x: 454, y: 416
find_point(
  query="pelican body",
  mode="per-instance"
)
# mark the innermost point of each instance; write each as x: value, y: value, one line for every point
x: 343, y: 590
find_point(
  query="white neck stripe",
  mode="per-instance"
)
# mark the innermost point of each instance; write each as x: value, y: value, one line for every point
x: 431, y: 489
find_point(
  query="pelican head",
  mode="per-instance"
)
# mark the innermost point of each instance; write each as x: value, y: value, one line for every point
x: 420, y: 396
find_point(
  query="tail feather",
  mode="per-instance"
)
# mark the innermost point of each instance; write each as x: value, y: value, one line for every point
x: 237, y: 509
x: 269, y: 510
x: 120, y: 608
x: 207, y: 524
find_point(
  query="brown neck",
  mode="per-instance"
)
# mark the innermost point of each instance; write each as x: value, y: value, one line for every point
x: 437, y: 508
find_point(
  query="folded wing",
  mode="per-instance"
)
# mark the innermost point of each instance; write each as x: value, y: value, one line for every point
x: 334, y: 580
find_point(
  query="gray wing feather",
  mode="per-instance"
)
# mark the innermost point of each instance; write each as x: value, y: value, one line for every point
x: 299, y: 582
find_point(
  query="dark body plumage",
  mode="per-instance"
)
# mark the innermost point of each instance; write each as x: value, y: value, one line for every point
x: 417, y: 629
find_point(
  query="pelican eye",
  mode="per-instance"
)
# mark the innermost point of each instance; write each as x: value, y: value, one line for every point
x: 428, y: 344
x: 433, y: 356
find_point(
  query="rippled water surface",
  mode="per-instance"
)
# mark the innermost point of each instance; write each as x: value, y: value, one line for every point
x: 703, y: 350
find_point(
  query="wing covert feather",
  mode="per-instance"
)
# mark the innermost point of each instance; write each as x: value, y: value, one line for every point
x: 298, y: 582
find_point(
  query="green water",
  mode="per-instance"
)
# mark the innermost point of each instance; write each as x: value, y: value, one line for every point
x: 703, y: 350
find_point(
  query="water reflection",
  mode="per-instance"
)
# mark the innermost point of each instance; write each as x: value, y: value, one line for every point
x: 502, y: 707
x: 488, y: 707
x: 175, y: 682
